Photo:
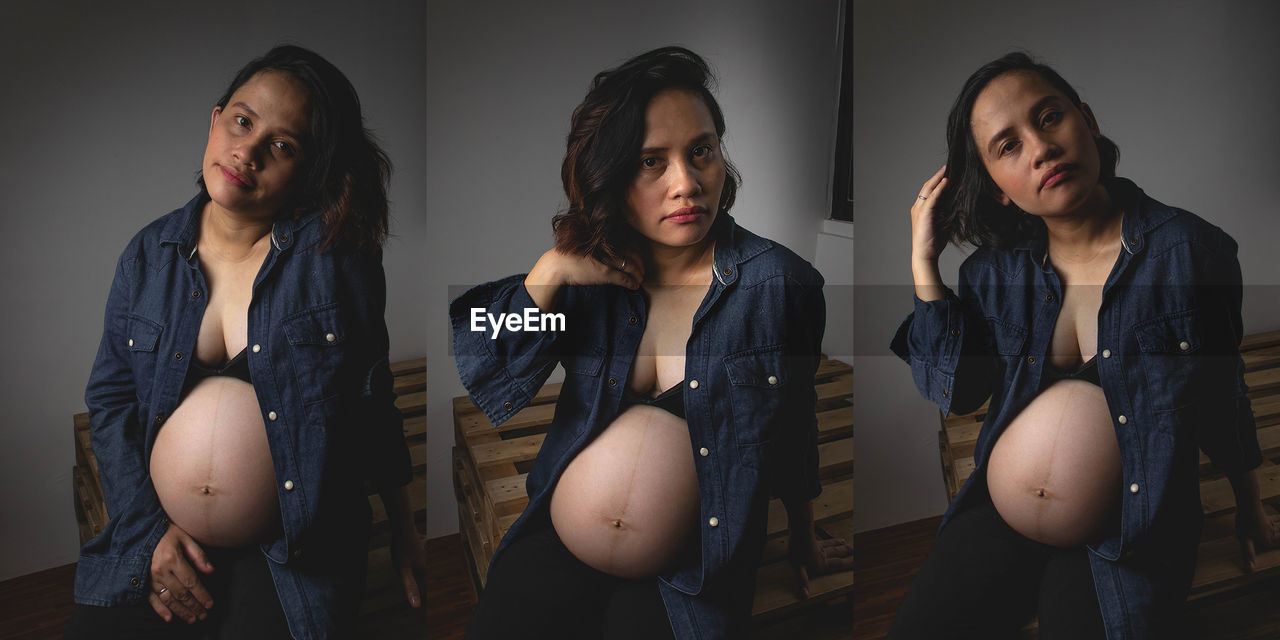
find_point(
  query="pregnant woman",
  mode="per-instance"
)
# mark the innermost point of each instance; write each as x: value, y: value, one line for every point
x: 689, y: 349
x: 1104, y: 327
x: 241, y: 396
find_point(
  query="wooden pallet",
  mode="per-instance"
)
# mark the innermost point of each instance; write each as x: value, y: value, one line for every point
x: 490, y: 466
x: 1218, y: 562
x: 383, y: 590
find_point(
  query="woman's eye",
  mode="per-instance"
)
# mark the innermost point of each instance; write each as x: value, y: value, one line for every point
x: 242, y: 121
x: 1008, y: 147
x: 649, y: 162
x: 1050, y: 118
x: 282, y: 146
x: 702, y: 151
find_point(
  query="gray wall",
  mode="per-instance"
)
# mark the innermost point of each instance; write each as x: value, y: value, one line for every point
x: 1187, y: 90
x: 103, y: 121
x: 501, y: 87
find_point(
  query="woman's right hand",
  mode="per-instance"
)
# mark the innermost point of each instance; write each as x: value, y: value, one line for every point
x: 556, y: 269
x: 175, y: 586
x: 926, y: 243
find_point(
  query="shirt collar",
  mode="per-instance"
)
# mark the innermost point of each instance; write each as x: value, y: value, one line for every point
x: 734, y: 246
x: 183, y: 229
x: 1140, y: 217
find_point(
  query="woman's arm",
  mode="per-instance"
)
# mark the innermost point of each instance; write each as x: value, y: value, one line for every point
x: 503, y: 368
x: 944, y: 338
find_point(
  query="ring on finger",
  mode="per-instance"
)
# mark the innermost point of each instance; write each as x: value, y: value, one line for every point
x: 623, y: 265
x: 162, y: 591
x: 923, y: 197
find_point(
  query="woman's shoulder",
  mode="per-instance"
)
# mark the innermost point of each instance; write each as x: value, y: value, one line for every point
x: 1163, y: 226
x: 760, y: 259
x: 177, y: 226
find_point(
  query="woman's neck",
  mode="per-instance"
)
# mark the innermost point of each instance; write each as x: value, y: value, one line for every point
x: 678, y: 265
x: 229, y: 235
x: 1095, y: 225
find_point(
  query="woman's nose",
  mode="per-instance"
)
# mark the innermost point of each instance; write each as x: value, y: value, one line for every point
x: 684, y: 182
x: 1044, y: 149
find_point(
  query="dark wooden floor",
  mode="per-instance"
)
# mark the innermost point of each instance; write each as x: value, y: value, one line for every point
x: 886, y: 561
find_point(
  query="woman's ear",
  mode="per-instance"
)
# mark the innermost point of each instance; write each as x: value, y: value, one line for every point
x: 1089, y: 119
x: 213, y: 119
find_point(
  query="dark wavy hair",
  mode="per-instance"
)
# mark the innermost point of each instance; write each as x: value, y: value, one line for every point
x: 967, y: 212
x: 345, y: 172
x: 606, y: 135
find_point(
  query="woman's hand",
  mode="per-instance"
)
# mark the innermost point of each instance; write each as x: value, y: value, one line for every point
x: 175, y: 586
x: 556, y: 269
x: 1256, y: 531
x: 408, y: 555
x: 926, y: 243
x: 813, y: 557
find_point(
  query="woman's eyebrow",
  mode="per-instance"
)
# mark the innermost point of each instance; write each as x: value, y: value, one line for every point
x: 1035, y: 108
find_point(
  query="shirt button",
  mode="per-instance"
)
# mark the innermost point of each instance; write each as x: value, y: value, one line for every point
x: 1122, y: 419
x: 1048, y: 297
x: 633, y: 320
x: 507, y: 406
x: 1133, y: 488
x: 134, y: 581
x: 955, y: 333
x: 177, y: 356
x: 131, y: 342
x: 297, y: 553
x: 1184, y: 345
x: 773, y: 380
x: 195, y: 293
x: 284, y: 238
x: 714, y: 521
x: 1134, y: 239
x: 329, y: 337
x: 1031, y: 359
x: 257, y: 348
x: 288, y: 485
x: 1106, y: 353
x: 693, y: 384
x: 159, y: 419
x: 271, y: 415
x: 704, y: 452
x: 945, y: 393
x: 728, y: 271
x: 613, y: 382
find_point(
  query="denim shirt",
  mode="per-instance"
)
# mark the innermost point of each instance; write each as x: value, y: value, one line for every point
x: 1169, y: 331
x: 318, y: 360
x: 748, y: 393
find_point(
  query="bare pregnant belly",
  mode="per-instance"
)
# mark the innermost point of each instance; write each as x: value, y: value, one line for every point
x: 628, y: 502
x: 1054, y: 474
x: 211, y: 465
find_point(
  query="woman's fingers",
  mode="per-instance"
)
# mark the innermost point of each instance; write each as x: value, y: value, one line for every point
x: 159, y: 608
x: 932, y: 183
x: 802, y: 579
x: 836, y: 553
x: 195, y: 553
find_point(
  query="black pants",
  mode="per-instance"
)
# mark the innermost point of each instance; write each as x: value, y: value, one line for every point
x: 984, y: 580
x: 538, y: 589
x: 245, y: 605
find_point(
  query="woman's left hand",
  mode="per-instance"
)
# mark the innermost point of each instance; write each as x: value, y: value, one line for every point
x: 1256, y: 530
x: 409, y: 557
x: 813, y: 557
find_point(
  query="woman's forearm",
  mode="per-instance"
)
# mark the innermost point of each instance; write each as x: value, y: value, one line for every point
x: 799, y: 516
x: 396, y: 503
x: 1244, y: 484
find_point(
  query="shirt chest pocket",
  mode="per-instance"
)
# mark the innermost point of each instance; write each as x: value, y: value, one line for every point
x: 758, y: 383
x: 142, y: 339
x: 317, y: 348
x: 1175, y: 361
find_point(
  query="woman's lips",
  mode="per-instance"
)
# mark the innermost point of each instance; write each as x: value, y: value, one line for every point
x: 1056, y: 175
x: 236, y: 178
x: 687, y: 214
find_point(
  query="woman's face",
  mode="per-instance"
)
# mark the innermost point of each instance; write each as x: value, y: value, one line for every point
x: 1037, y: 146
x: 254, y: 153
x: 675, y: 194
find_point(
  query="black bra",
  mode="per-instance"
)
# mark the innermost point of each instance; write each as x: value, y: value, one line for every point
x: 671, y: 400
x: 237, y: 367
x: 1087, y: 372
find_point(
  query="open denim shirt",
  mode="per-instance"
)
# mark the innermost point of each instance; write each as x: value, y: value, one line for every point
x: 748, y: 393
x: 1169, y: 331
x: 318, y: 360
